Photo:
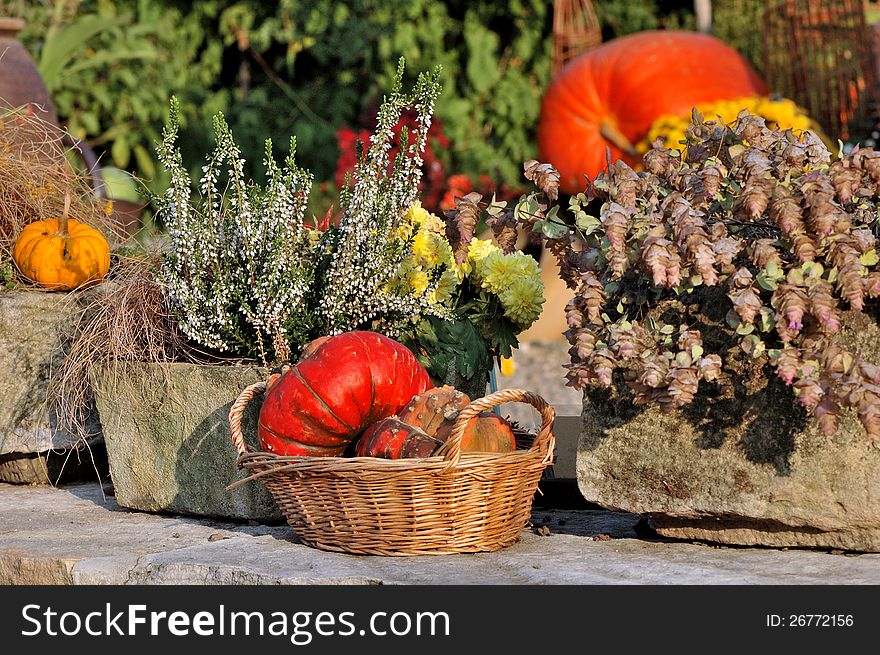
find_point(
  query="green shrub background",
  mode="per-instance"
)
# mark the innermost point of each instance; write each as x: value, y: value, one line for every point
x: 309, y: 67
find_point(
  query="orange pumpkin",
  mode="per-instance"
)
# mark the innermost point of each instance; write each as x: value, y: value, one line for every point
x: 61, y: 253
x: 487, y: 433
x: 608, y: 97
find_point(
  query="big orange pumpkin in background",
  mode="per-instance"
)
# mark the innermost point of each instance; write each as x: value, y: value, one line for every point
x: 609, y: 96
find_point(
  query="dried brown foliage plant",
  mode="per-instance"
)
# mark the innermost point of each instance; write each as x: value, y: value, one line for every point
x: 125, y: 319
x: 785, y: 238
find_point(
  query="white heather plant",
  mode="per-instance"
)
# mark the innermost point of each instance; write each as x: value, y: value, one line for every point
x: 368, y: 249
x: 246, y: 276
x: 239, y: 268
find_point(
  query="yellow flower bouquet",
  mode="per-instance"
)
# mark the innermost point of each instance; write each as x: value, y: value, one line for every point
x: 479, y: 301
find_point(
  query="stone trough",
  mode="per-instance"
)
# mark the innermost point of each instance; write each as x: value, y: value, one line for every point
x: 166, y: 428
x: 743, y: 467
x: 34, y: 449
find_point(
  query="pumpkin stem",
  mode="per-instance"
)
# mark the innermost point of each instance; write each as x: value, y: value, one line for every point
x: 63, y: 221
x: 611, y: 133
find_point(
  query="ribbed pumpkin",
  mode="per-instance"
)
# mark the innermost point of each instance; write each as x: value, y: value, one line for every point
x: 61, y: 253
x: 609, y: 96
x: 346, y: 383
x: 487, y: 433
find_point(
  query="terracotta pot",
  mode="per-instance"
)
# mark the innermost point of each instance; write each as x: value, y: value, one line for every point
x: 20, y: 80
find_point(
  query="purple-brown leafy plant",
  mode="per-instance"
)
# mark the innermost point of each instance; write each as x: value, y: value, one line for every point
x: 757, y: 222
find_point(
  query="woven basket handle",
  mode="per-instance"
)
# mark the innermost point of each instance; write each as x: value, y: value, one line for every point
x: 451, y: 450
x: 237, y: 411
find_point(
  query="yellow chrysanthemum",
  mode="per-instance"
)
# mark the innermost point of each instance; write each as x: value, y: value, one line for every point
x: 429, y: 249
x: 522, y: 300
x: 410, y: 279
x: 445, y: 286
x: 416, y: 215
x: 497, y: 271
x: 479, y: 248
x: 418, y: 281
x: 780, y: 112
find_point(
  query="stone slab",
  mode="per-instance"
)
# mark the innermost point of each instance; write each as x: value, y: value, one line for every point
x: 743, y: 466
x: 166, y: 430
x: 32, y: 323
x: 75, y: 535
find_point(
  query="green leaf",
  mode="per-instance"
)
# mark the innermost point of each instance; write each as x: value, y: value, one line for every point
x: 551, y: 230
x: 773, y: 271
x: 666, y: 329
x: 768, y: 284
x: 523, y: 210
x: 496, y: 206
x: 812, y: 269
x: 105, y: 58
x: 745, y: 328
x: 587, y: 224
x: 121, y: 152
x: 869, y: 258
x: 59, y: 50
x: 795, y: 276
x: 696, y: 352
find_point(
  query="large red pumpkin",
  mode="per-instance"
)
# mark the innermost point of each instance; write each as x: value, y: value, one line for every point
x: 609, y: 96
x: 342, y: 386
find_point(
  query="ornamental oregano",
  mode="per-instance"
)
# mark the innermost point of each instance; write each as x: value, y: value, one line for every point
x: 760, y: 222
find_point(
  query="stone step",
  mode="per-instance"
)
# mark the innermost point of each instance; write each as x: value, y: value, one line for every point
x: 78, y: 535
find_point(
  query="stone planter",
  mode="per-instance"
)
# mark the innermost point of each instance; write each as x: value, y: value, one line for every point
x: 166, y: 429
x: 33, y: 448
x: 745, y: 467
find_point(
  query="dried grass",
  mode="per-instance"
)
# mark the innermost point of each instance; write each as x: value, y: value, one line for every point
x: 35, y: 175
x: 124, y: 319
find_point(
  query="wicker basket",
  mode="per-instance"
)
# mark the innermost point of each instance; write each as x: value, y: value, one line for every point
x: 450, y: 503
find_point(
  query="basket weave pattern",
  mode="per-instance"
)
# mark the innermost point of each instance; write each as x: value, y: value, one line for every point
x: 453, y: 502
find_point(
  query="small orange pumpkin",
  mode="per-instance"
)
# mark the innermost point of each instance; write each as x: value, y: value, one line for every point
x: 61, y: 253
x: 488, y: 432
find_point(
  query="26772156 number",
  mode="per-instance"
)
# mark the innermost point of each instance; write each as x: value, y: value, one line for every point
x: 810, y: 620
